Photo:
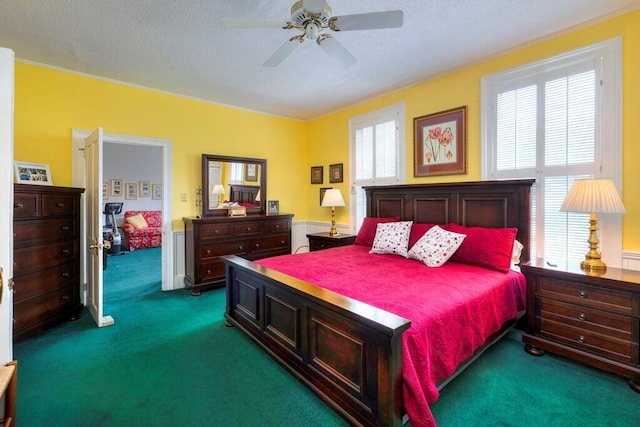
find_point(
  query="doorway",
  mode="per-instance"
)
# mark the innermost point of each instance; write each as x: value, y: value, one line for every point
x: 79, y: 170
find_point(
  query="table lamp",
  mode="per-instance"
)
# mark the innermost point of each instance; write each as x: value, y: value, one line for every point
x: 593, y: 196
x: 218, y: 190
x: 332, y: 198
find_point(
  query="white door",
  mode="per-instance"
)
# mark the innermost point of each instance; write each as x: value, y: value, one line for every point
x: 6, y: 209
x: 95, y: 219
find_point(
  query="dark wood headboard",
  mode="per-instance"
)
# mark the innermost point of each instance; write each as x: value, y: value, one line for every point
x: 243, y: 193
x: 494, y: 204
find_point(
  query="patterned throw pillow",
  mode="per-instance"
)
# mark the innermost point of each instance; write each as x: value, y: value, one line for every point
x: 137, y: 221
x: 392, y: 238
x: 436, y: 246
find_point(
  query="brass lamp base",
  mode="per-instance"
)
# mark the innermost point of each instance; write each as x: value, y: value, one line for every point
x: 333, y: 231
x: 593, y: 259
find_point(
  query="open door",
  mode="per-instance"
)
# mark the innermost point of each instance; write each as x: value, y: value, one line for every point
x: 95, y: 248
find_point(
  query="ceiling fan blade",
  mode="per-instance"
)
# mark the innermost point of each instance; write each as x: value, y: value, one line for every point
x: 314, y: 6
x: 279, y: 55
x: 334, y: 49
x: 368, y: 21
x: 247, y: 23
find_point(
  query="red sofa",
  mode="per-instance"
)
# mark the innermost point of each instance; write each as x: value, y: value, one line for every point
x: 142, y: 234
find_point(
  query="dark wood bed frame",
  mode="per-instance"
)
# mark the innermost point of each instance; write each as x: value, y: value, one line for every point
x: 243, y: 193
x: 348, y: 352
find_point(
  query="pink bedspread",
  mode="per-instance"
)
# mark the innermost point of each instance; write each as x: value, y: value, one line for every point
x: 453, y: 309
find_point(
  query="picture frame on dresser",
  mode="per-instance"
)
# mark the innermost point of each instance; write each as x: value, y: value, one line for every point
x: 32, y: 173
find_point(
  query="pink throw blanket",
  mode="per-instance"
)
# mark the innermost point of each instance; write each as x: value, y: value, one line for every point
x: 453, y: 309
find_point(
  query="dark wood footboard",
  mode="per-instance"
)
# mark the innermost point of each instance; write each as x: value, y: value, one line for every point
x: 349, y: 353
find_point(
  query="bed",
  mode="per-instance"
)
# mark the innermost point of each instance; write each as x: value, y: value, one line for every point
x: 245, y: 195
x: 350, y: 352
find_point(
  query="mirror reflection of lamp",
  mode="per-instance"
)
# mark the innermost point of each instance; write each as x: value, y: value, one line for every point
x: 332, y: 198
x: 218, y: 190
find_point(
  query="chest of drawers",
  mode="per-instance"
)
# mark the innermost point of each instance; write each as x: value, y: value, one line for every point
x: 251, y: 237
x: 593, y: 319
x: 46, y: 239
x: 319, y: 241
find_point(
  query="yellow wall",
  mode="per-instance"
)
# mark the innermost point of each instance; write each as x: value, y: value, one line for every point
x: 463, y: 88
x: 49, y: 103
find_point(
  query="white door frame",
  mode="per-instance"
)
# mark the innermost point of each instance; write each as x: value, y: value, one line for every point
x: 6, y: 194
x: 79, y: 167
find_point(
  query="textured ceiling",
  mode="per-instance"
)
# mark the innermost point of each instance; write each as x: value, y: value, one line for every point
x: 180, y: 46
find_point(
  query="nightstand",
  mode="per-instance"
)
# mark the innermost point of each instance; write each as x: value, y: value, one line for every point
x: 592, y: 319
x: 319, y: 241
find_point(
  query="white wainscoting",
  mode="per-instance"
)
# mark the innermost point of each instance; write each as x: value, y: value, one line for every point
x: 178, y: 259
x: 631, y: 260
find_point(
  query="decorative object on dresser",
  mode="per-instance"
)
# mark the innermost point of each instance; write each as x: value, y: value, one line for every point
x: 32, y: 173
x: 332, y: 198
x: 46, y: 254
x: 251, y: 237
x: 590, y: 318
x: 324, y: 240
x: 593, y: 196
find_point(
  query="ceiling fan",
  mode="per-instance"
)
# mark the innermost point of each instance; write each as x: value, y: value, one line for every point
x: 311, y: 18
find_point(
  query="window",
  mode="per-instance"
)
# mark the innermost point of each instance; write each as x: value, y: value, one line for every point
x: 376, y: 154
x: 557, y: 121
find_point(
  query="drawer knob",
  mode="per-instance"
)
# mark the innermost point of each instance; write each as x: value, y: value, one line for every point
x: 208, y: 251
x: 257, y: 245
x: 277, y: 227
x: 241, y: 247
x: 582, y: 294
x: 581, y: 316
x: 282, y: 242
x: 248, y: 228
x: 581, y: 339
x: 64, y: 228
x: 208, y: 271
x: 65, y: 298
x: 216, y: 231
x: 18, y: 205
x: 60, y: 205
x: 65, y: 274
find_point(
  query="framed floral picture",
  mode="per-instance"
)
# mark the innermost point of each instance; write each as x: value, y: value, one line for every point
x: 251, y: 172
x: 440, y: 143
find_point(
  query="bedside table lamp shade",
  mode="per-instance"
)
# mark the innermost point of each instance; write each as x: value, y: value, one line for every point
x: 593, y: 196
x: 217, y: 191
x: 331, y: 199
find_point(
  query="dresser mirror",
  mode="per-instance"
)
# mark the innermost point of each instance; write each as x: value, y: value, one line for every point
x: 229, y: 181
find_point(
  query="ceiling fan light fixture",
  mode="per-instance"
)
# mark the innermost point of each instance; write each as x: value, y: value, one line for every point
x: 311, y: 31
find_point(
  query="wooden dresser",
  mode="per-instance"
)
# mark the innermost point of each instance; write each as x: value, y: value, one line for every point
x: 323, y: 240
x: 46, y: 257
x: 592, y: 319
x: 251, y: 237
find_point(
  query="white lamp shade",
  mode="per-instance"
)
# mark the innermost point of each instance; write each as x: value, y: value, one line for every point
x: 218, y: 189
x: 593, y: 196
x: 332, y: 197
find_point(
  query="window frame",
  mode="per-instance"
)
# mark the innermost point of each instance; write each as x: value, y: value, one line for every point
x: 608, y: 159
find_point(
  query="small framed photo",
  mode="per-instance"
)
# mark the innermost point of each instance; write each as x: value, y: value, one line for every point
x: 273, y: 207
x: 322, y: 191
x: 145, y: 189
x: 156, y: 191
x: 116, y: 188
x: 33, y: 173
x: 105, y: 190
x: 335, y: 173
x: 131, y: 191
x: 317, y: 174
x: 251, y: 172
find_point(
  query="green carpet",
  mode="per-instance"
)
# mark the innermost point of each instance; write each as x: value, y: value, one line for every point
x: 170, y: 361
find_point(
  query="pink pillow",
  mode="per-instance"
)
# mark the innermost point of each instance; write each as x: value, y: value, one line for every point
x: 367, y: 231
x: 486, y: 247
x: 417, y: 231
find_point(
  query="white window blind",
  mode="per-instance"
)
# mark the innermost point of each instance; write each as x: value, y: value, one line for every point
x: 377, y: 154
x: 546, y: 121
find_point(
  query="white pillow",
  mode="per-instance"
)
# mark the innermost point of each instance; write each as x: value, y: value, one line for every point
x: 392, y: 238
x: 436, y: 246
x: 515, y: 256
